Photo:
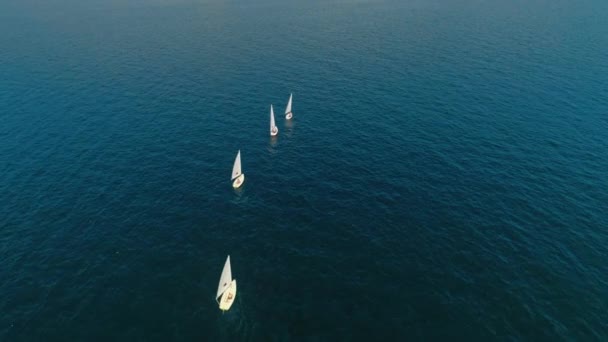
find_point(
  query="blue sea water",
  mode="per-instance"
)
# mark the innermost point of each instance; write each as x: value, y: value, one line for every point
x: 444, y: 177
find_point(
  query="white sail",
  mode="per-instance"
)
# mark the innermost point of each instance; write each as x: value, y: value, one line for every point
x: 288, y: 109
x: 225, y: 279
x: 236, y: 169
x: 271, y: 119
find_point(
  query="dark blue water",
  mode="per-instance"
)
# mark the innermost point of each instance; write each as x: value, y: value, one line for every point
x: 444, y: 177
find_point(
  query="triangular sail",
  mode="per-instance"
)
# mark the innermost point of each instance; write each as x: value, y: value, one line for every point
x: 288, y: 109
x: 236, y: 169
x: 225, y: 279
x: 271, y: 118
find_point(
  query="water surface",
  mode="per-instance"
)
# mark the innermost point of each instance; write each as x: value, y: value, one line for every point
x: 444, y: 176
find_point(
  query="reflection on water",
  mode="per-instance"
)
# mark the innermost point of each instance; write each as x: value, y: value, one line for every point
x: 239, y: 191
x: 288, y: 131
x: 272, y: 144
x: 235, y: 324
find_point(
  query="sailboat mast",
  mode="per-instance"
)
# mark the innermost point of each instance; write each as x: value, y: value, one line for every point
x: 288, y: 109
x: 271, y: 118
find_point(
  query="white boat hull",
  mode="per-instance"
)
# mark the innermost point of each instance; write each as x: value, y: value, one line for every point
x: 228, y: 296
x: 238, y: 181
x: 274, y: 132
x: 288, y: 116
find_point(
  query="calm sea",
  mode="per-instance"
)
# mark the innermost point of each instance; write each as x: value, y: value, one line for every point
x: 445, y: 176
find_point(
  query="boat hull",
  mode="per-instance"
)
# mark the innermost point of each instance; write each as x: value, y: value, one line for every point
x: 228, y: 296
x: 273, y: 133
x: 288, y: 116
x: 238, y: 181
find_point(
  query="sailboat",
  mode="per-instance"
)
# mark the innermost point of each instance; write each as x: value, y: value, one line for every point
x: 288, y: 113
x: 274, y: 130
x: 226, y: 289
x: 237, y: 176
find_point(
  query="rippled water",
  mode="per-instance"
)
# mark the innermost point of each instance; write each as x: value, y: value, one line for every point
x: 444, y: 176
